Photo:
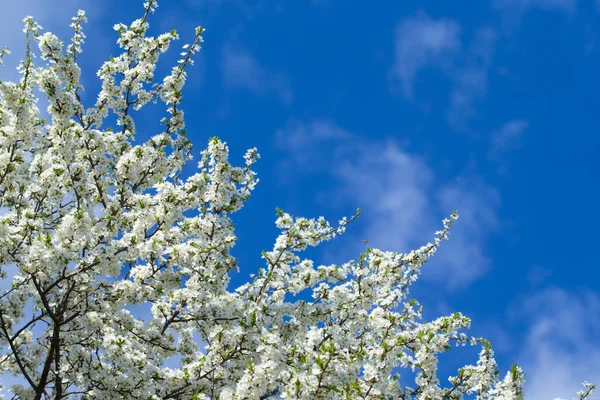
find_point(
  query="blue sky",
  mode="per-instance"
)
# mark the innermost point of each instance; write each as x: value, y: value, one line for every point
x: 408, y: 110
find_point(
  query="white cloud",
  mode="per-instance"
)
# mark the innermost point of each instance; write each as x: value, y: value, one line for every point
x: 507, y: 137
x: 421, y: 42
x: 55, y: 19
x: 241, y: 70
x: 561, y: 349
x: 523, y: 5
x: 209, y: 8
x: 538, y: 274
x: 299, y: 135
x: 470, y: 78
x: 392, y: 187
x: 464, y: 255
x: 402, y: 204
x: 45, y: 13
x: 307, y: 144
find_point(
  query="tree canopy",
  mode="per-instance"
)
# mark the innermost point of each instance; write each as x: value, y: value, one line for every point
x: 94, y: 224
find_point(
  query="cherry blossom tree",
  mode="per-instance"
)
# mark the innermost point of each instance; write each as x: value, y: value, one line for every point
x: 94, y: 224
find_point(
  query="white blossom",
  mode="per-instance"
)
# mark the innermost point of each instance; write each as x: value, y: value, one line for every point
x: 96, y: 225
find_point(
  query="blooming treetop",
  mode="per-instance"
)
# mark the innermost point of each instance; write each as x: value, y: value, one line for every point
x: 94, y: 224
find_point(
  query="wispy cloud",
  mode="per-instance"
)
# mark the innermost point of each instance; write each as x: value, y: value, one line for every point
x: 55, y: 19
x: 503, y: 141
x: 561, y: 349
x: 538, y: 274
x: 523, y: 5
x: 421, y: 42
x: 11, y: 26
x: 13, y: 12
x: 507, y: 137
x: 210, y: 8
x: 401, y: 201
x: 302, y: 135
x: 243, y: 71
x: 470, y: 78
x: 465, y: 255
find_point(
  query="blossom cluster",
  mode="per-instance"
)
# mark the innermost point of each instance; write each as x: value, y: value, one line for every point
x: 97, y: 225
